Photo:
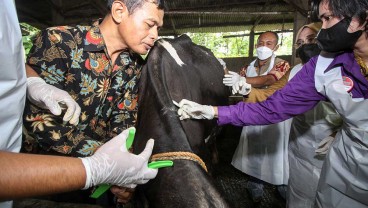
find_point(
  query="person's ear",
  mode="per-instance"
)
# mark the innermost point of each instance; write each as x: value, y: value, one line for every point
x: 118, y: 11
x: 277, y: 47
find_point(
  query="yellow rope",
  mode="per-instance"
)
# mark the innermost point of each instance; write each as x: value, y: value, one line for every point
x: 179, y: 156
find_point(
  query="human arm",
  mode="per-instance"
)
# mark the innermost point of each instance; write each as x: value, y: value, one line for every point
x: 25, y: 175
x: 261, y: 81
x: 261, y: 94
x: 52, y: 135
x: 30, y: 72
x: 297, y: 97
x: 237, y: 83
x: 43, y: 174
x: 48, y: 96
x: 122, y: 194
x: 280, y: 68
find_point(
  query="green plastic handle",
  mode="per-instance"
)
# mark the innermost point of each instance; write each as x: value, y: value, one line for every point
x: 155, y: 164
x: 160, y: 164
x: 130, y: 139
x: 99, y: 191
x: 104, y: 187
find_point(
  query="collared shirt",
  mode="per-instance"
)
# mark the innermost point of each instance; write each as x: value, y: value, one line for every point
x: 75, y: 59
x: 297, y: 97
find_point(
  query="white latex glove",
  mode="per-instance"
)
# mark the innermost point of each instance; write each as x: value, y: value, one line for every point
x: 112, y: 164
x: 49, y: 97
x: 324, y: 145
x: 241, y: 87
x: 231, y: 78
x: 222, y: 62
x: 190, y: 109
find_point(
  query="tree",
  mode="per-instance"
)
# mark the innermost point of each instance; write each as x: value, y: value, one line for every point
x: 28, y: 32
x: 236, y: 46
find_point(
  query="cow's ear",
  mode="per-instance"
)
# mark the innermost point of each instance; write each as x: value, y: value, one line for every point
x: 118, y: 11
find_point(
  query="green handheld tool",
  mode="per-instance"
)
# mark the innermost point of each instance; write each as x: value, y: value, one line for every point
x: 160, y: 164
x: 130, y: 139
x: 155, y: 164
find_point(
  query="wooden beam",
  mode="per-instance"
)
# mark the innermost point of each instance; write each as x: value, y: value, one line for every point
x: 301, y: 10
x: 216, y: 5
x: 224, y: 13
x: 255, y: 33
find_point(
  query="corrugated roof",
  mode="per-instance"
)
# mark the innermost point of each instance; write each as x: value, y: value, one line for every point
x: 181, y: 15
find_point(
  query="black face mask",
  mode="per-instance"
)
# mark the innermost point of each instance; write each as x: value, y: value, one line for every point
x: 307, y: 51
x: 337, y: 38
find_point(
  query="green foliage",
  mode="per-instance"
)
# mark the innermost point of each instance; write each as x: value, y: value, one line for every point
x: 28, y: 32
x: 236, y: 46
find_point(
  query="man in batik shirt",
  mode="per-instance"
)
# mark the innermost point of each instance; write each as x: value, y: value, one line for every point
x: 97, y: 68
x: 75, y: 59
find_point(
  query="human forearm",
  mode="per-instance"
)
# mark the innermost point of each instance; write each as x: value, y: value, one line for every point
x: 26, y: 175
x: 258, y: 94
x: 30, y: 72
x: 261, y: 81
x: 216, y: 111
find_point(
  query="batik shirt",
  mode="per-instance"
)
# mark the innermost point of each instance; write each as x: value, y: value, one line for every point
x: 278, y: 71
x: 75, y: 59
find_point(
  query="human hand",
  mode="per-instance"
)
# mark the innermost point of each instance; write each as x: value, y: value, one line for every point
x: 222, y: 62
x: 112, y: 164
x: 122, y: 194
x: 231, y: 78
x: 241, y: 87
x: 49, y: 97
x: 324, y: 145
x: 190, y: 109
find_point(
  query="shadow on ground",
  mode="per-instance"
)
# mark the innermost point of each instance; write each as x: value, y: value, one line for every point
x: 233, y: 182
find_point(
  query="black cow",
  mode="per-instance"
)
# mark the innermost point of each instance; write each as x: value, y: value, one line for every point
x: 177, y: 69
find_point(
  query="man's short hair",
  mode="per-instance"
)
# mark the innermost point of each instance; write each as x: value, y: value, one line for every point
x: 134, y: 4
x: 274, y: 33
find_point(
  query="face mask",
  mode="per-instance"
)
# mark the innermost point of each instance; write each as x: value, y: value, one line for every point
x: 337, y: 38
x: 264, y: 52
x: 307, y: 51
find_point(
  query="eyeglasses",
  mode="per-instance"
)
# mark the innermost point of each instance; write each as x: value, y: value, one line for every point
x: 308, y: 40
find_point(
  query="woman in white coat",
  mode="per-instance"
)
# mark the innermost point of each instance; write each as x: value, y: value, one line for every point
x: 311, y: 133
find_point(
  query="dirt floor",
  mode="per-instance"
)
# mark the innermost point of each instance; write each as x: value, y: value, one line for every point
x: 231, y: 181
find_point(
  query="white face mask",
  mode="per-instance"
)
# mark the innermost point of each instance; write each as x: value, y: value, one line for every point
x: 264, y: 52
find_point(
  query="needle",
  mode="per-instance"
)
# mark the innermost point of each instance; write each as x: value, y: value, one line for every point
x: 176, y: 103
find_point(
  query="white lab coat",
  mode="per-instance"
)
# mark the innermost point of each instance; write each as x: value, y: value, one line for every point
x: 344, y: 176
x: 307, y: 131
x: 262, y: 151
x: 12, y: 81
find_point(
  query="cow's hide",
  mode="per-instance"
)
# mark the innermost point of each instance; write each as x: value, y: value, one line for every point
x: 178, y: 69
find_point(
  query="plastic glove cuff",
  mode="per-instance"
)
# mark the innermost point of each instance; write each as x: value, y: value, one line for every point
x: 32, y: 80
x: 87, y: 167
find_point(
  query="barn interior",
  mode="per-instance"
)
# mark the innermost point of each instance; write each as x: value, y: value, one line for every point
x: 194, y: 16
